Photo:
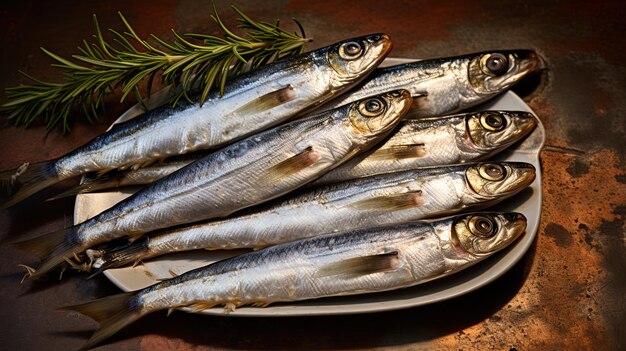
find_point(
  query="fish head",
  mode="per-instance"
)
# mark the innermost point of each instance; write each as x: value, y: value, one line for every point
x: 497, y: 180
x: 493, y: 72
x: 481, y: 234
x: 494, y: 130
x: 377, y: 115
x: 354, y: 58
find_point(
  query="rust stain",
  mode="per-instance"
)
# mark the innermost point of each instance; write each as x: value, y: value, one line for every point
x: 158, y: 342
x: 570, y: 280
x: 434, y: 20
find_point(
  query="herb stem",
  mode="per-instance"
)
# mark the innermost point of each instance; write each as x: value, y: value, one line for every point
x: 190, y: 60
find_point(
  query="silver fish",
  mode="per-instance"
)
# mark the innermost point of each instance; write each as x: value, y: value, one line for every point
x: 423, y: 142
x: 252, y: 102
x: 251, y: 171
x: 447, y: 85
x: 427, y: 142
x: 384, y: 200
x: 132, y: 177
x: 371, y: 260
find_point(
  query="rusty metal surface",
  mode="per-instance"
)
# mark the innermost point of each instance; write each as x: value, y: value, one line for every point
x: 569, y: 291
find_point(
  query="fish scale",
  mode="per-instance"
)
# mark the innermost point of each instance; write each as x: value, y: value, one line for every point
x: 250, y: 103
x: 435, y: 141
x: 386, y: 199
x: 445, y: 140
x: 445, y: 85
x: 251, y: 171
x: 356, y: 262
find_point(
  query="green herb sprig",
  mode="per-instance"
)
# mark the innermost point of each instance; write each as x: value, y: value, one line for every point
x: 191, y: 60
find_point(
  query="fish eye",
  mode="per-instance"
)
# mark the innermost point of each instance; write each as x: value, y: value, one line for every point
x: 495, y: 64
x: 493, y: 122
x: 482, y: 226
x: 350, y: 50
x: 492, y: 171
x: 372, y: 107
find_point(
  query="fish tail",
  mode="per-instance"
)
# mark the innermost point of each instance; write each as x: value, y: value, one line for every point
x: 123, y: 256
x: 91, y: 185
x: 26, y: 180
x: 53, y: 249
x: 112, y: 312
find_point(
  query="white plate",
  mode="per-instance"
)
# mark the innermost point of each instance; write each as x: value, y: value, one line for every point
x: 528, y: 203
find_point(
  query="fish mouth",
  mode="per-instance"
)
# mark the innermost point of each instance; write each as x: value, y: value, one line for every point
x: 398, y: 104
x: 404, y: 98
x: 524, y: 123
x: 513, y: 226
x: 378, y: 46
x: 509, y: 226
x: 524, y: 175
x: 401, y: 100
x: 520, y: 125
x: 528, y: 62
x: 382, y: 43
x: 519, y: 176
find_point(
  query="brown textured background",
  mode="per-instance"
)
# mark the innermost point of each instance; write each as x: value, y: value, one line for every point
x: 569, y: 291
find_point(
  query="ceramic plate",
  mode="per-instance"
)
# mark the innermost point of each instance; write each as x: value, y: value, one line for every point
x: 527, y: 202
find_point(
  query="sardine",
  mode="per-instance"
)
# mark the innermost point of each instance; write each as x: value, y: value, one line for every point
x: 426, y: 142
x: 251, y: 171
x: 423, y: 142
x: 251, y: 103
x: 357, y: 262
x: 447, y: 85
x: 116, y: 179
x: 384, y: 200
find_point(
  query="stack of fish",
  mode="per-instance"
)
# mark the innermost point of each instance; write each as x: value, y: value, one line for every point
x: 334, y: 162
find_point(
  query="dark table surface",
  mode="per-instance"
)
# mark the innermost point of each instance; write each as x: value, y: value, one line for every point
x: 569, y: 290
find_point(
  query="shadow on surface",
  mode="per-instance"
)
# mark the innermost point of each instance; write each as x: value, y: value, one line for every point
x: 35, y: 212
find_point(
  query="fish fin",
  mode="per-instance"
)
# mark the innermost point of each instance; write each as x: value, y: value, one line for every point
x: 201, y: 306
x: 29, y: 272
x: 384, y: 262
x: 418, y: 106
x: 393, y: 202
x: 102, y: 172
x: 230, y: 307
x: 399, y: 152
x: 294, y: 164
x: 132, y: 237
x: 112, y: 312
x: 77, y: 264
x: 8, y: 179
x: 91, y: 185
x: 26, y: 180
x: 268, y: 101
x: 261, y: 304
x: 52, y: 248
x: 170, y: 310
x: 126, y: 255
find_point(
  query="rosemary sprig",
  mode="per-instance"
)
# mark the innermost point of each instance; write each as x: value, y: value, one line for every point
x: 191, y: 60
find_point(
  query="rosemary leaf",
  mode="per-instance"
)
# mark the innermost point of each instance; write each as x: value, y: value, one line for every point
x: 191, y: 61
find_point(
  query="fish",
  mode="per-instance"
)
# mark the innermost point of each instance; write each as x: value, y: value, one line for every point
x: 93, y: 183
x: 383, y: 200
x: 254, y: 170
x: 427, y: 142
x: 250, y: 103
x: 422, y: 142
x: 448, y: 85
x: 356, y: 262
